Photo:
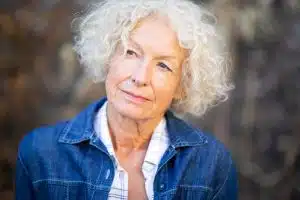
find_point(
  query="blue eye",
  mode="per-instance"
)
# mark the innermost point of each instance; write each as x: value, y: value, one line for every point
x: 164, y: 66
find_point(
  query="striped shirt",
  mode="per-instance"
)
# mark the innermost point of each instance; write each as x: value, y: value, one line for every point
x: 157, y: 147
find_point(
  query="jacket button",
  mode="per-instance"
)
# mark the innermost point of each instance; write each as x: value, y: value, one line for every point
x: 162, y: 187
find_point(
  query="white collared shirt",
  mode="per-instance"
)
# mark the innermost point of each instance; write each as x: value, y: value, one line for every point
x: 156, y: 148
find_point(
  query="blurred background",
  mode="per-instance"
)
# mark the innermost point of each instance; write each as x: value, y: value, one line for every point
x: 42, y: 83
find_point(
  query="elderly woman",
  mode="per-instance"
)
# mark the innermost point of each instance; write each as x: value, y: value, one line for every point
x: 154, y: 56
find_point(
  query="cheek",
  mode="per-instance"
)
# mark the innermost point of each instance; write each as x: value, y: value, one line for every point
x: 121, y: 70
x: 118, y: 72
x: 111, y: 81
x: 164, y: 88
x: 108, y: 85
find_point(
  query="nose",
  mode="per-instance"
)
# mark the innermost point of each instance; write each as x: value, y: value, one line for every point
x: 142, y: 74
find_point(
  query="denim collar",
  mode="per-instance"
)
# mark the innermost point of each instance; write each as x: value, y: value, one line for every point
x: 81, y: 128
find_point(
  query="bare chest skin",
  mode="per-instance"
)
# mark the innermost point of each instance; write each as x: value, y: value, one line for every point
x: 132, y: 161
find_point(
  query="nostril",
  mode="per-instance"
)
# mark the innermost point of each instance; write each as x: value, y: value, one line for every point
x: 138, y: 83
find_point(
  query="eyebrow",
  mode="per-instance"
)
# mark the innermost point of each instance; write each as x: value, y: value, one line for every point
x: 131, y: 41
x: 167, y: 57
x: 158, y: 57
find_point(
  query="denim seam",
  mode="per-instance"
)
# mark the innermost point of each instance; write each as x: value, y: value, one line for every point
x: 228, y: 172
x: 70, y: 182
x: 65, y: 130
x: 175, y: 188
x: 22, y: 164
x: 196, y: 186
x: 68, y: 196
x: 98, y: 178
x: 168, y: 191
x: 180, y: 143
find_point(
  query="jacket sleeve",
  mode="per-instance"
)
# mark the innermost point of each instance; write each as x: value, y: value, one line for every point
x: 228, y: 189
x: 23, y: 184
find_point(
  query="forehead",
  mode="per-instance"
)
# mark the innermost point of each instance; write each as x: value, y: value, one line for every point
x: 155, y: 33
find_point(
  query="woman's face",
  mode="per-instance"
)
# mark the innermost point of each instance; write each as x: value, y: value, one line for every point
x: 142, y: 82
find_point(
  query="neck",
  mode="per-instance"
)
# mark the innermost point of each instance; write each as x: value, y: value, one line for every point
x: 127, y: 133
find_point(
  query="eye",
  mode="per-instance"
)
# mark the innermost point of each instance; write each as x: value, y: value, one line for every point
x: 164, y: 66
x: 130, y: 52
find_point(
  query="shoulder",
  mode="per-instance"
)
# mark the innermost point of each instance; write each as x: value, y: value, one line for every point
x: 184, y: 133
x: 216, y: 151
x: 209, y: 160
x: 224, y: 173
x: 207, y: 152
x: 217, y: 147
x: 39, y: 140
x: 221, y: 168
x: 49, y: 140
x: 217, y: 154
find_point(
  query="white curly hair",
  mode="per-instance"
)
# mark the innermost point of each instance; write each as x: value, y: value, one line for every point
x: 205, y: 76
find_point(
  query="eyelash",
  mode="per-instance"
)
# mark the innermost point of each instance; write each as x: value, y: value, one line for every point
x: 164, y: 66
x: 131, y: 52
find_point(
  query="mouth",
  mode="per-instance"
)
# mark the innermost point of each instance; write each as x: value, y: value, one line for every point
x: 134, y: 97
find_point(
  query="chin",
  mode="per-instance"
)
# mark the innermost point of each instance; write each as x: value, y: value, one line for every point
x: 132, y: 111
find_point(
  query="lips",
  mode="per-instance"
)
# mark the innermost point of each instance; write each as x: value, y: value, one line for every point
x: 135, y: 96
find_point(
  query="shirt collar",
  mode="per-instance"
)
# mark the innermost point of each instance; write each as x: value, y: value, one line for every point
x: 81, y: 128
x: 158, y: 143
x: 102, y: 130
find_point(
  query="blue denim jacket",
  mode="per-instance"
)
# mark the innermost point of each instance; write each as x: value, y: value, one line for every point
x: 68, y: 161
